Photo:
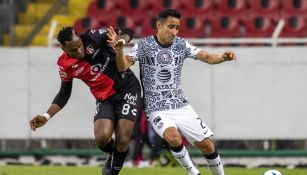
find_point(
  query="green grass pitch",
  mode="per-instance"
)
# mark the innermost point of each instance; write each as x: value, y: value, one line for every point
x: 70, y: 170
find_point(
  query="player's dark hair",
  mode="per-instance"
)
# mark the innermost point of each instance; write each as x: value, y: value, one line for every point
x: 168, y: 12
x: 65, y: 34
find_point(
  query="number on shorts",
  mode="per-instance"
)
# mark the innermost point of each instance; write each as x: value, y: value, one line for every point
x: 126, y: 109
x: 133, y: 111
x: 201, y: 123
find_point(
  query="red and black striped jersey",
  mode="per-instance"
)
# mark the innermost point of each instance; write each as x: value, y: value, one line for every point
x: 98, y: 68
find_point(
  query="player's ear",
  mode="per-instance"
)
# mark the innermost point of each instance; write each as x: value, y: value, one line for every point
x: 158, y: 24
x: 62, y: 47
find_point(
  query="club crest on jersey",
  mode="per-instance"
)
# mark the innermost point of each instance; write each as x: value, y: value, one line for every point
x: 164, y: 57
x: 89, y: 50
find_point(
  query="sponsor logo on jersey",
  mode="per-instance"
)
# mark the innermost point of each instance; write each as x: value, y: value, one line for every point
x: 131, y: 99
x: 164, y: 75
x: 98, y: 69
x: 90, y: 49
x: 166, y: 86
x: 74, y: 66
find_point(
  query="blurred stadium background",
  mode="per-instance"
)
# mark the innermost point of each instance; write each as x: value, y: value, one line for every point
x: 256, y: 107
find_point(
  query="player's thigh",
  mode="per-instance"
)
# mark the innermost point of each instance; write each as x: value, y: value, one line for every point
x: 161, y: 122
x: 123, y: 130
x: 192, y: 126
x: 104, y: 121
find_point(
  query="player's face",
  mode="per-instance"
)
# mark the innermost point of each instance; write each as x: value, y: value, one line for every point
x: 74, y: 48
x: 168, y: 30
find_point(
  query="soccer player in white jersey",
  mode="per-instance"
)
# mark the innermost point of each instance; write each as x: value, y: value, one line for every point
x: 161, y: 59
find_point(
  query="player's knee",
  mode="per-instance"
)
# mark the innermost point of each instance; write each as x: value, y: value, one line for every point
x: 122, y: 144
x: 102, y: 138
x: 173, y: 139
x: 207, y: 148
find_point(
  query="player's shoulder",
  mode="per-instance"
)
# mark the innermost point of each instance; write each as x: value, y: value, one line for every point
x: 96, y: 31
x: 62, y: 59
x: 65, y: 61
x: 179, y: 39
x: 147, y: 39
x: 94, y: 34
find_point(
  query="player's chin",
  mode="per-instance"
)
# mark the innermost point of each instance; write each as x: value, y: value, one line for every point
x: 171, y: 40
x: 80, y: 57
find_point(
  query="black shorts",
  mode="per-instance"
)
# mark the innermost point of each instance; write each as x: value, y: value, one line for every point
x: 123, y: 105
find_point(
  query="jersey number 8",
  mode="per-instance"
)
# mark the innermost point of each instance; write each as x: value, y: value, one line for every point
x: 126, y: 109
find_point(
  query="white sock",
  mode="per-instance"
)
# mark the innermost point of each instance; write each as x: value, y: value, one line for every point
x: 185, y: 161
x: 216, y: 166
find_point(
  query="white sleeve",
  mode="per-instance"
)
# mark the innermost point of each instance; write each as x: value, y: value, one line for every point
x: 192, y: 50
x: 134, y: 55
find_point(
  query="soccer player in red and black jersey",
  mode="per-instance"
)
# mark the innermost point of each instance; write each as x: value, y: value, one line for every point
x: 90, y: 57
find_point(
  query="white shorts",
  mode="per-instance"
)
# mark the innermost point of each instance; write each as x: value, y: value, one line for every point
x: 184, y: 119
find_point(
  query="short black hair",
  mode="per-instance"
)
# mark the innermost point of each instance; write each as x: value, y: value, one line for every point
x: 65, y: 34
x: 168, y: 12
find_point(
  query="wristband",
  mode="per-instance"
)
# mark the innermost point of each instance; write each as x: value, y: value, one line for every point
x: 47, y: 116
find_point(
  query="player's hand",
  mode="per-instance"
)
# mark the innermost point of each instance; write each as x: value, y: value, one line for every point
x: 37, y: 122
x: 229, y: 56
x: 114, y: 39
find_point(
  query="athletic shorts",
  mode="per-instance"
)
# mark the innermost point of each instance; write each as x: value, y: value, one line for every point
x: 124, y: 105
x: 184, y: 119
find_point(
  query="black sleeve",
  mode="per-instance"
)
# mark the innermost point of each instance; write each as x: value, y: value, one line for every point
x: 125, y: 31
x: 64, y: 94
x: 99, y: 36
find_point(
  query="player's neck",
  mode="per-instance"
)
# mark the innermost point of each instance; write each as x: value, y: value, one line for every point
x: 161, y: 43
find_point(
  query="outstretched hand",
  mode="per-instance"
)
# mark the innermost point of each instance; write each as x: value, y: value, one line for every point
x: 229, y: 56
x: 37, y: 122
x: 114, y: 39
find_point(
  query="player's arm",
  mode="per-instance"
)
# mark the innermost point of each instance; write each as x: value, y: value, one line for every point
x: 215, y: 58
x: 123, y: 62
x: 58, y: 103
x: 119, y: 40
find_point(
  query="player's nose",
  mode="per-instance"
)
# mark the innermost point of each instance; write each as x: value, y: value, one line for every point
x: 174, y: 32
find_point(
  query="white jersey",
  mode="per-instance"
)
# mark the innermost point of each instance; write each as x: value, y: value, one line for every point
x: 160, y: 71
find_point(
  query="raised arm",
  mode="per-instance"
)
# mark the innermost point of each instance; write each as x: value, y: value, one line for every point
x: 122, y: 62
x: 58, y: 103
x: 215, y: 58
x: 119, y: 40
